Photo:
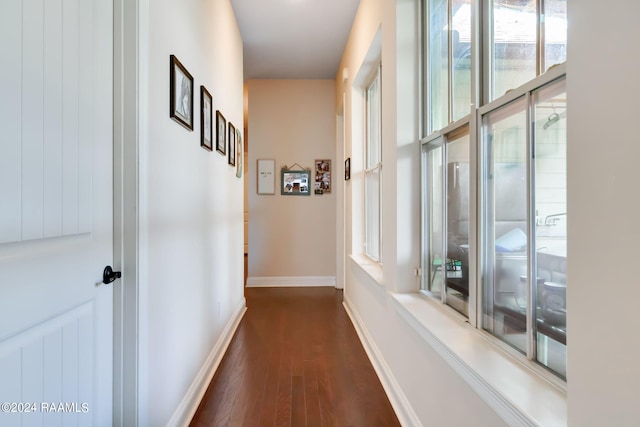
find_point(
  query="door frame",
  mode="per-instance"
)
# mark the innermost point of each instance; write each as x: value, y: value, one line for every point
x: 129, y: 62
x: 341, y: 192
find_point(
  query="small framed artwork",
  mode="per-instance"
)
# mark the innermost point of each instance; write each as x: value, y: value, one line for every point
x: 232, y: 144
x: 221, y: 133
x: 266, y: 176
x: 347, y: 169
x: 206, y: 119
x: 295, y: 182
x: 181, y: 93
x: 323, y: 176
x: 239, y: 155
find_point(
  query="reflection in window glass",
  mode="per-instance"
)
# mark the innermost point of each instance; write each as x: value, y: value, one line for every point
x: 550, y: 139
x: 372, y: 186
x: 457, y: 267
x: 513, y: 47
x: 461, y: 57
x: 438, y: 63
x: 505, y: 183
x: 373, y: 123
x: 555, y: 32
x: 526, y: 225
x: 433, y: 264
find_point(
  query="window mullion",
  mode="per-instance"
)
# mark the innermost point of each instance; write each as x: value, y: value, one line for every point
x: 540, y: 51
x: 531, y: 250
x: 449, y: 63
x: 443, y: 212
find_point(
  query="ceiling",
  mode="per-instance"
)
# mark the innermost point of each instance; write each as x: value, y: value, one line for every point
x: 293, y: 39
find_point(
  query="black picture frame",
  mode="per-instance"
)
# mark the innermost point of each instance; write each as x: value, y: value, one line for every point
x: 232, y: 144
x: 221, y: 133
x: 347, y: 169
x: 180, y: 93
x: 206, y: 119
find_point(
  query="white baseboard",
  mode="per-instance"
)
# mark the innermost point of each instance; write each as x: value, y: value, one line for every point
x: 290, y: 281
x: 189, y: 404
x: 404, y: 411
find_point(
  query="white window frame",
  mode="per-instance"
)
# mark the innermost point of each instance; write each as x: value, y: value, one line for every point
x: 481, y: 88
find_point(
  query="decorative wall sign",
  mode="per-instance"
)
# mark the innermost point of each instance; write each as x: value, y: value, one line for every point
x: 323, y: 176
x: 266, y: 173
x: 180, y: 94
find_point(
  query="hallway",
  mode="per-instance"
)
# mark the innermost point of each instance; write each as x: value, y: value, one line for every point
x: 295, y: 360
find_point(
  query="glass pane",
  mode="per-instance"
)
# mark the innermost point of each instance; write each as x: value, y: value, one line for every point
x: 432, y: 280
x: 372, y: 209
x: 550, y: 141
x: 505, y: 207
x: 513, y: 44
x: 555, y: 32
x: 438, y: 65
x: 457, y: 279
x: 373, y: 123
x: 461, y: 55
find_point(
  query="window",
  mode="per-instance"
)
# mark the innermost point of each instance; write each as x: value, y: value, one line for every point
x: 373, y: 168
x: 524, y: 41
x: 524, y: 231
x: 448, y: 61
x: 446, y: 218
x: 493, y: 177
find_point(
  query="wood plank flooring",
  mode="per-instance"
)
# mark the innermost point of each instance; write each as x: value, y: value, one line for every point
x: 295, y: 360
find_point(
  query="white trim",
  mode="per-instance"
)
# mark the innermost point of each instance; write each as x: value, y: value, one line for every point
x: 403, y: 409
x: 130, y: 62
x: 525, y: 400
x: 189, y: 404
x: 290, y: 281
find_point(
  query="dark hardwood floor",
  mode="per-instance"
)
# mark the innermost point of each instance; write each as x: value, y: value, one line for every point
x: 295, y: 360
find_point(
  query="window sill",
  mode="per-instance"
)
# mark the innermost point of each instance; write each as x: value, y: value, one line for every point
x: 372, y: 268
x: 518, y: 394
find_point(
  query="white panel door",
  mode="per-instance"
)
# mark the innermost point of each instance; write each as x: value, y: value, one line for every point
x: 55, y: 212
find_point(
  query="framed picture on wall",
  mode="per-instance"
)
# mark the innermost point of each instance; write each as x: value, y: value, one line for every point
x: 206, y: 119
x: 295, y: 182
x: 180, y: 93
x: 347, y: 169
x: 221, y: 133
x: 239, y: 155
x: 232, y: 144
x: 266, y: 176
x: 323, y: 176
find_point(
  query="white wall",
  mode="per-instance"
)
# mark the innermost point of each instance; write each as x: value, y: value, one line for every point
x: 191, y: 245
x: 292, y: 121
x: 604, y: 208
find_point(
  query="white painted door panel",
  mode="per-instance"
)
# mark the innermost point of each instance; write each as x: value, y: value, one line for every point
x: 55, y: 212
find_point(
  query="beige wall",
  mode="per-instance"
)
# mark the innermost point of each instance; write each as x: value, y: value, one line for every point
x: 292, y: 121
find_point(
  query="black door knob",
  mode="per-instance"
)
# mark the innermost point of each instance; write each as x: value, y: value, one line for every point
x: 108, y: 275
